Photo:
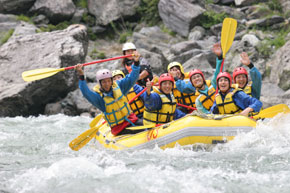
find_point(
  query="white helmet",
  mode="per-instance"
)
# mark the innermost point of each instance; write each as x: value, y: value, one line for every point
x: 129, y: 46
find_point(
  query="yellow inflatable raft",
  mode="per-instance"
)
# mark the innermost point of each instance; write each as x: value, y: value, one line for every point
x: 191, y: 129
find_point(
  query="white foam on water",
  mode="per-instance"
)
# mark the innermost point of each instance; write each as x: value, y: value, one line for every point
x: 41, y: 161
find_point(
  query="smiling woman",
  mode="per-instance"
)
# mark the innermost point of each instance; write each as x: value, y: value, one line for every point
x: 160, y: 104
x: 233, y: 100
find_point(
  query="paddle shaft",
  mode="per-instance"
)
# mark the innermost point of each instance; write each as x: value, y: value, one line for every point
x: 100, y: 61
x: 144, y: 90
x: 188, y: 107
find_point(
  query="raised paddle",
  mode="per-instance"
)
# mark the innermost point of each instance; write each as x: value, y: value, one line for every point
x: 227, y: 37
x: 228, y: 34
x: 272, y: 111
x: 42, y: 73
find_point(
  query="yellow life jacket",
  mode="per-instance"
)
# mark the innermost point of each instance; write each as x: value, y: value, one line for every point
x: 227, y: 106
x: 247, y: 89
x: 164, y: 115
x: 137, y: 105
x: 184, y: 98
x: 117, y: 108
x: 207, y: 100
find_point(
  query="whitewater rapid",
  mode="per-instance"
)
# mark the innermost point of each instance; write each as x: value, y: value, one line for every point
x: 35, y: 158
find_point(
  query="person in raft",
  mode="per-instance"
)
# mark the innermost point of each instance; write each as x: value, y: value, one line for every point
x: 160, y: 104
x: 233, y: 100
x: 177, y: 71
x: 145, y: 69
x: 204, y: 88
x: 137, y: 105
x: 110, y: 97
x: 240, y: 77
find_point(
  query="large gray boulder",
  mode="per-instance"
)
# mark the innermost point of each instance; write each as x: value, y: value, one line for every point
x: 154, y: 40
x: 56, y: 11
x: 107, y: 11
x: 180, y: 15
x: 73, y: 104
x: 280, y: 66
x: 43, y: 50
x: 15, y: 6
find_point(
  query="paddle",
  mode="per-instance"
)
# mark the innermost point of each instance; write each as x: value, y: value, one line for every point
x: 86, y: 136
x: 227, y: 37
x: 188, y: 107
x: 272, y: 111
x: 42, y: 73
x: 144, y: 90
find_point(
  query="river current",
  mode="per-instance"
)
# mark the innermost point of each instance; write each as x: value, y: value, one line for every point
x: 35, y: 158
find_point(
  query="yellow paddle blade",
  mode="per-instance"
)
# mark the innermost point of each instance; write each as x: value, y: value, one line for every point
x: 41, y: 73
x: 84, y: 138
x: 272, y: 111
x: 96, y: 120
x: 228, y: 34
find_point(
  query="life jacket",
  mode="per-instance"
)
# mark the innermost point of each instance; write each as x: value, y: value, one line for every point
x: 247, y: 89
x: 137, y: 106
x: 128, y: 68
x: 117, y: 108
x: 207, y: 100
x: 184, y: 98
x: 165, y: 114
x: 227, y: 106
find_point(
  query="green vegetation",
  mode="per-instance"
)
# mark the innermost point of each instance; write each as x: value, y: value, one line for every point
x: 101, y: 55
x: 211, y: 18
x: 6, y: 36
x: 88, y: 19
x: 81, y: 3
x: 166, y: 30
x: 148, y: 11
x: 95, y: 54
x: 24, y: 18
x: 268, y: 71
x: 124, y: 36
x: 92, y: 36
x: 123, y: 30
x: 59, y: 26
x: 209, y: 1
x: 268, y: 46
x: 275, y: 5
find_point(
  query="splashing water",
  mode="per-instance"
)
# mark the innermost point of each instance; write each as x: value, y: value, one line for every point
x: 35, y: 158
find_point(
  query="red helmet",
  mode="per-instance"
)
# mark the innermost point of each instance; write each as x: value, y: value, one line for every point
x: 165, y: 77
x: 196, y: 71
x: 239, y: 70
x: 224, y: 74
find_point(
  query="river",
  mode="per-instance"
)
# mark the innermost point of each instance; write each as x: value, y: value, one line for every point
x: 35, y: 158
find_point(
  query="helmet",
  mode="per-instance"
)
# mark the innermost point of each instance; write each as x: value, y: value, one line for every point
x: 173, y: 64
x: 196, y: 71
x: 103, y: 74
x: 118, y: 72
x: 238, y: 71
x: 129, y: 46
x: 165, y: 77
x: 224, y: 74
